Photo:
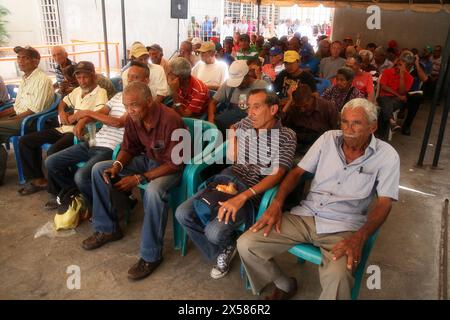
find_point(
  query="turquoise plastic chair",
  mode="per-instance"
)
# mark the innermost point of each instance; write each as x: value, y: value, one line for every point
x: 182, y: 192
x: 26, y: 122
x: 308, y: 252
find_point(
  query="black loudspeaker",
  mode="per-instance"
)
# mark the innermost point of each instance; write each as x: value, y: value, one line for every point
x: 178, y: 9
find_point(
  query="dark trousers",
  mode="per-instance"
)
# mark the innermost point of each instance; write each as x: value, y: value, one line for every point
x: 8, y: 128
x: 31, y: 152
x: 413, y: 105
x: 387, y: 106
x: 63, y: 172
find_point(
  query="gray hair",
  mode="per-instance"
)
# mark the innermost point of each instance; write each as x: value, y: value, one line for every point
x: 407, y: 56
x: 380, y: 50
x: 140, y: 88
x: 180, y: 67
x: 370, y: 109
x: 347, y: 72
x: 366, y: 54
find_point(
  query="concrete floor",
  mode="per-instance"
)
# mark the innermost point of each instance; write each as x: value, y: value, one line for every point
x: 406, y: 249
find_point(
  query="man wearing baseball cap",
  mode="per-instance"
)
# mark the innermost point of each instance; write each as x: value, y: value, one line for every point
x: 276, y: 65
x: 292, y: 75
x: 246, y: 51
x: 209, y: 70
x: 87, y: 96
x: 156, y: 56
x: 232, y: 96
x: 35, y: 95
x: 158, y: 80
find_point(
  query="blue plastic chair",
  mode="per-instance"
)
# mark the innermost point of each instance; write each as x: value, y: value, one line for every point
x: 118, y: 84
x: 308, y: 252
x: 183, y: 191
x: 322, y: 85
x: 25, y: 123
x: 12, y: 90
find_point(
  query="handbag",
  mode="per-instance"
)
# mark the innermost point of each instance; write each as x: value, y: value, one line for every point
x: 206, y: 204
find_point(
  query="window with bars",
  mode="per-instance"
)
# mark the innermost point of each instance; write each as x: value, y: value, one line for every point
x: 51, y: 24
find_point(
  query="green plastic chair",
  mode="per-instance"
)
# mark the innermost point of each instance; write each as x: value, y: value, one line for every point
x: 183, y: 191
x: 308, y: 252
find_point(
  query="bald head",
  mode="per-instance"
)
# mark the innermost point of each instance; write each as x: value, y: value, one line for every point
x: 59, y: 54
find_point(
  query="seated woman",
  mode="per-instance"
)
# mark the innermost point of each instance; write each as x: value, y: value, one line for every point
x: 362, y: 80
x: 343, y: 90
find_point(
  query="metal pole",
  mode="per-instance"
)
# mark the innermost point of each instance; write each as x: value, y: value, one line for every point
x: 105, y: 38
x: 178, y: 34
x: 443, y: 123
x: 258, y: 2
x: 437, y: 93
x: 124, y: 34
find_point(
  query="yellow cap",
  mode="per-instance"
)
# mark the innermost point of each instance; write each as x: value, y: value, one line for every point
x: 291, y: 56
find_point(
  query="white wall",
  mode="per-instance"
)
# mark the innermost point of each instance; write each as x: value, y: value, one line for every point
x: 409, y: 29
x: 147, y: 21
x: 24, y: 28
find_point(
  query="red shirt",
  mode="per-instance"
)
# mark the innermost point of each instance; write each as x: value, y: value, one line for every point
x: 364, y: 83
x: 391, y: 78
x: 196, y: 97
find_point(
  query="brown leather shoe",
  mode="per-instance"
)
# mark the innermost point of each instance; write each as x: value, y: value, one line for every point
x: 100, y: 238
x: 142, y: 269
x: 279, y: 294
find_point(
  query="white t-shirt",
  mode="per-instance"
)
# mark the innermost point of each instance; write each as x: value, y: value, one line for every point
x: 158, y: 81
x: 211, y: 74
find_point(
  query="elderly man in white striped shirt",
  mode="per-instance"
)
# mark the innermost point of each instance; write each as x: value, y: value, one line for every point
x: 262, y: 152
x: 110, y: 135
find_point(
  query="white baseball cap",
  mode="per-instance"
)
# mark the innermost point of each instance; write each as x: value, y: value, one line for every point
x: 238, y: 70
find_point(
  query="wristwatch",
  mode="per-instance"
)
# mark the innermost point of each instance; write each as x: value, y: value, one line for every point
x: 142, y: 179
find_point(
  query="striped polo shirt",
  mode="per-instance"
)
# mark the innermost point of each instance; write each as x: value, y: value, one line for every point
x: 35, y: 93
x: 58, y: 71
x: 260, y: 153
x: 108, y: 136
x: 196, y: 97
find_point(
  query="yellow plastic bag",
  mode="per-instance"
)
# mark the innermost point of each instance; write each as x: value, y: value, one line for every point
x: 71, y: 218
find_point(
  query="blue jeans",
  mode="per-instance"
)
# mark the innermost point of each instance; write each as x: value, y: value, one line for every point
x: 215, y: 236
x: 155, y: 202
x: 62, y: 170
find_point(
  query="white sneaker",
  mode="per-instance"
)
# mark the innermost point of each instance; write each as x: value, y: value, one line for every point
x: 224, y: 259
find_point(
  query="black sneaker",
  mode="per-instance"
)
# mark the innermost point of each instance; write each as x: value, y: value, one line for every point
x: 52, y: 204
x: 224, y: 259
x: 142, y: 269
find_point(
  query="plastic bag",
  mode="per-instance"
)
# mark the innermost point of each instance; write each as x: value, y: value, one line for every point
x: 70, y: 218
x: 48, y: 230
